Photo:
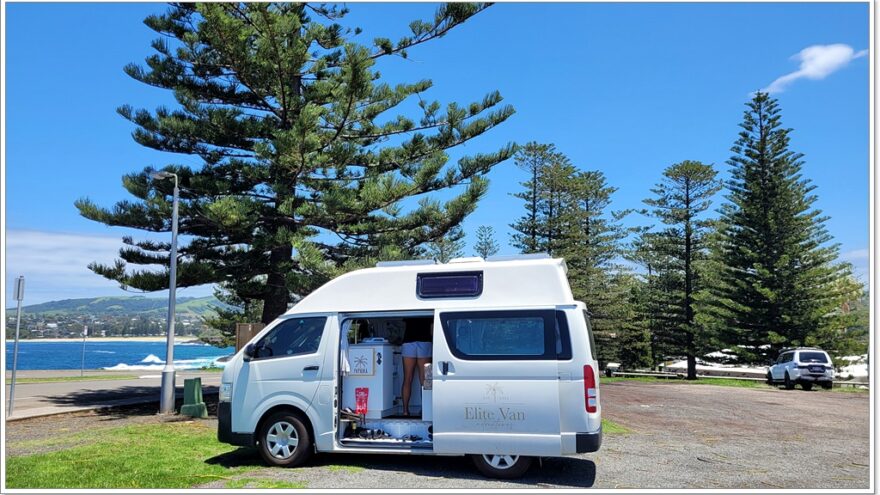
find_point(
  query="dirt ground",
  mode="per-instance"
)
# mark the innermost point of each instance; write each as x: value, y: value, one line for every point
x: 703, y: 436
x: 681, y: 436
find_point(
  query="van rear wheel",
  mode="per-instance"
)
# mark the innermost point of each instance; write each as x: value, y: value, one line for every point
x: 285, y: 440
x: 502, y: 466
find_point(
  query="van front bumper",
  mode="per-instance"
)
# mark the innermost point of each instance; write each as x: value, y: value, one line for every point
x: 224, y: 428
x: 588, y: 442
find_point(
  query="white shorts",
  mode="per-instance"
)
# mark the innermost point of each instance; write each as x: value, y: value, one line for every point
x: 417, y: 349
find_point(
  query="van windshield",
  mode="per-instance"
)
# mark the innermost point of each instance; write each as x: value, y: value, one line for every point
x: 813, y: 357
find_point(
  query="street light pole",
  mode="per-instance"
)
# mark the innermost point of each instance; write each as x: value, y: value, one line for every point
x: 166, y: 401
x: 19, y: 296
x: 82, y: 363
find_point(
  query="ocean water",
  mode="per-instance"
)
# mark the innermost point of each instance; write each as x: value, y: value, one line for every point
x: 128, y: 355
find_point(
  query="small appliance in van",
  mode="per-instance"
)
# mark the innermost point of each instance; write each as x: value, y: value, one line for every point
x: 510, y: 372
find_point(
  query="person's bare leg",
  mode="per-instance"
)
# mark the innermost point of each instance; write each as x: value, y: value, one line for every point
x: 409, y: 367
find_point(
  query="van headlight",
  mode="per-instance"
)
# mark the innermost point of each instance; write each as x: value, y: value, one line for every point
x: 225, y: 392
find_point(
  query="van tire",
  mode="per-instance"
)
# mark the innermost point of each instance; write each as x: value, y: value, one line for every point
x: 789, y: 385
x: 277, y: 432
x: 807, y: 386
x: 502, y: 466
x: 769, y: 378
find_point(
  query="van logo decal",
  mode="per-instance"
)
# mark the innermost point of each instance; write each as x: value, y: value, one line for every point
x: 496, y: 413
x: 495, y: 392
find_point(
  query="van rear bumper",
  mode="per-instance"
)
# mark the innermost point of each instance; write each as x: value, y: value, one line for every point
x: 224, y: 428
x: 588, y: 442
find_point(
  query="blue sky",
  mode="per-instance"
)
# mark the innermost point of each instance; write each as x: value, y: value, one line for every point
x: 627, y: 89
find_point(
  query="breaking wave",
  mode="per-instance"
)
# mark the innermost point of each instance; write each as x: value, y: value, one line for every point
x: 154, y: 363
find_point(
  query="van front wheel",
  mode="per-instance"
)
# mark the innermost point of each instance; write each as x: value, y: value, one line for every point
x: 285, y: 440
x: 502, y: 466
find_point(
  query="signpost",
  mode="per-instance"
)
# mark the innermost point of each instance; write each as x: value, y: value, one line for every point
x: 18, y: 294
x: 82, y: 365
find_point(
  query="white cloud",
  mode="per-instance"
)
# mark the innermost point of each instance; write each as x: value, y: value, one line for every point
x: 859, y: 259
x: 856, y: 255
x: 817, y: 62
x: 54, y: 265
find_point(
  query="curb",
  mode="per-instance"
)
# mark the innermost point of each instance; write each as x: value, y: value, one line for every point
x: 54, y: 411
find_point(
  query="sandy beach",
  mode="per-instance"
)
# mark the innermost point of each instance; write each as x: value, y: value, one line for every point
x: 186, y: 338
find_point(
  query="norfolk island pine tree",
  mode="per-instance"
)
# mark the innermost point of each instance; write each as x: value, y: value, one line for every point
x: 300, y: 180
x: 775, y: 280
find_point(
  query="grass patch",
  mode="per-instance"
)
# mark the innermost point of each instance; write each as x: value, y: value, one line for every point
x: 86, y: 378
x: 612, y: 428
x: 164, y: 455
x: 263, y: 483
x: 211, y: 369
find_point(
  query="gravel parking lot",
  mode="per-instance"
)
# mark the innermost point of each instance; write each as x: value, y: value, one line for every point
x: 681, y: 436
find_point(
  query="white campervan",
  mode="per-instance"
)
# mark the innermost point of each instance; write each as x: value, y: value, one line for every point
x: 513, y: 371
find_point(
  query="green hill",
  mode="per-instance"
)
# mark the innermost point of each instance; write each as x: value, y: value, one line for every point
x: 133, y: 305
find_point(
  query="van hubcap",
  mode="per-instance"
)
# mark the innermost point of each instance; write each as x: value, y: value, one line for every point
x: 501, y: 461
x: 282, y: 440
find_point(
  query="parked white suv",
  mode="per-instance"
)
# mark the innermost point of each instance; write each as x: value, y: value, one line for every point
x: 805, y: 366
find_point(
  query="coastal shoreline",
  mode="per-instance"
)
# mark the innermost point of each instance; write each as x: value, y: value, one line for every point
x: 177, y: 340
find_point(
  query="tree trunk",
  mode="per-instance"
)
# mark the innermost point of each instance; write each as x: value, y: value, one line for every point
x: 692, y: 360
x: 277, y: 295
x: 533, y: 224
x: 688, y: 285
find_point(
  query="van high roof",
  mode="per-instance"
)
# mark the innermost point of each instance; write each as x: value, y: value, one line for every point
x: 505, y: 281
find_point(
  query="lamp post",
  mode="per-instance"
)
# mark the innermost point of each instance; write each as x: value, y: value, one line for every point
x: 18, y: 296
x: 166, y: 401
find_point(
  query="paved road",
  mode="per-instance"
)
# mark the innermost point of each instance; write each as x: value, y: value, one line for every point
x: 38, y: 399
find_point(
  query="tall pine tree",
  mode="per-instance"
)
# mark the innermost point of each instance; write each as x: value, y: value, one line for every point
x: 532, y: 158
x: 680, y: 199
x: 568, y: 215
x: 447, y: 247
x: 304, y: 165
x: 590, y: 240
x: 778, y: 281
x: 486, y: 244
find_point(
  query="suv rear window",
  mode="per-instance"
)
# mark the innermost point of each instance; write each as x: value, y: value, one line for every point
x: 813, y: 357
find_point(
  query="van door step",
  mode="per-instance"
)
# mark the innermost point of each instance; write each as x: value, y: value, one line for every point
x: 387, y: 442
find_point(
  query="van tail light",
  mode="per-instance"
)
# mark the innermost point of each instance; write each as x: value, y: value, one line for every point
x: 591, y: 392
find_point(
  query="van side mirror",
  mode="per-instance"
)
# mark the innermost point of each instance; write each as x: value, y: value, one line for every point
x: 249, y: 351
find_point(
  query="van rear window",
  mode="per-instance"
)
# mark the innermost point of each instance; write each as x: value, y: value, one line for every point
x: 456, y: 284
x: 813, y: 357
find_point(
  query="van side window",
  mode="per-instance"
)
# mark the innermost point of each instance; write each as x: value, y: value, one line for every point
x: 590, y: 334
x: 504, y: 335
x: 563, y: 339
x: 291, y: 337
